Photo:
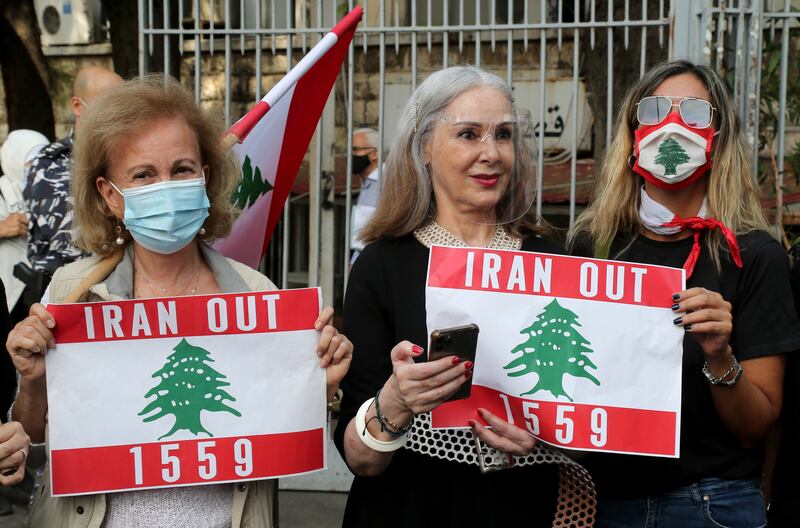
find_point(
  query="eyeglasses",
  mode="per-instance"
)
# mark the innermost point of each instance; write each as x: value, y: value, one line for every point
x: 696, y: 113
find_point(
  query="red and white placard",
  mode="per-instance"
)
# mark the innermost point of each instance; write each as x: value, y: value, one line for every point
x: 582, y: 353
x: 154, y: 393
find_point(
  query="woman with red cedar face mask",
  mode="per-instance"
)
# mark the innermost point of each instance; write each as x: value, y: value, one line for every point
x: 676, y: 189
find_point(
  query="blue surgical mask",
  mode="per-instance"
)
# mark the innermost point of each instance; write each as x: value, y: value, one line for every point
x: 165, y: 217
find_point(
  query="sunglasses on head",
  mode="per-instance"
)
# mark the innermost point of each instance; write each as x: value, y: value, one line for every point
x: 696, y: 113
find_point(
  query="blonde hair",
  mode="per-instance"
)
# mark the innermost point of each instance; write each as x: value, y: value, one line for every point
x: 126, y: 111
x: 732, y: 195
x: 407, y: 202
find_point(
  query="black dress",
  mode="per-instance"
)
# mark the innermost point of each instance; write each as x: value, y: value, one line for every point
x: 764, y: 324
x: 385, y: 304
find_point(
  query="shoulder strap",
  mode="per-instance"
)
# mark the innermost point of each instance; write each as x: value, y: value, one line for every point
x: 101, y: 270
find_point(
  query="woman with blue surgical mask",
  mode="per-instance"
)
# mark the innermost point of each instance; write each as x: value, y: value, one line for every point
x: 152, y: 189
x: 676, y: 189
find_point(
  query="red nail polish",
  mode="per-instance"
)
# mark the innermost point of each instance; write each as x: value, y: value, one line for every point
x: 456, y: 360
x: 468, y: 365
x: 416, y: 349
x: 472, y: 423
x: 468, y: 374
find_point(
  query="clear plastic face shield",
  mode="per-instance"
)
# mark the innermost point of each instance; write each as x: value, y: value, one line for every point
x: 482, y: 164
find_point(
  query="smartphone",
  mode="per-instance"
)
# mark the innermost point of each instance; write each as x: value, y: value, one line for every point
x: 461, y: 341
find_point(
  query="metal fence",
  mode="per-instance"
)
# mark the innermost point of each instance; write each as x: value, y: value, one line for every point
x: 564, y: 58
x: 753, y: 43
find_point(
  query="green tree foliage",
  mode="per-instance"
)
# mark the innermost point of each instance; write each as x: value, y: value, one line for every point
x: 553, y: 347
x: 251, y: 186
x: 188, y: 385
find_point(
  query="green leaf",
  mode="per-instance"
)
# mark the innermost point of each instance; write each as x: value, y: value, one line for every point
x: 251, y: 186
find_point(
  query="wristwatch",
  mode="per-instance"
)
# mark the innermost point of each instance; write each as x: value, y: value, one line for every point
x: 734, y: 373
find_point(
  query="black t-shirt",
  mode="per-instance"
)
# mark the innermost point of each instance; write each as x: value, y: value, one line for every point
x: 785, y: 492
x: 385, y: 304
x: 764, y: 324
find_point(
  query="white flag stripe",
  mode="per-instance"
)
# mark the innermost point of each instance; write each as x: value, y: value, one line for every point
x: 621, y: 338
x: 271, y: 393
x: 268, y: 135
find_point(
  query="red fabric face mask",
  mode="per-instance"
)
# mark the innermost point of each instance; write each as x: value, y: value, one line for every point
x: 670, y: 154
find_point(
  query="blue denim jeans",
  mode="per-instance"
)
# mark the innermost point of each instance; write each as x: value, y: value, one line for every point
x: 708, y: 503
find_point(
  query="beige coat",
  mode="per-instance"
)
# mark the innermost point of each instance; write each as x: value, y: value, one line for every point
x: 252, y: 501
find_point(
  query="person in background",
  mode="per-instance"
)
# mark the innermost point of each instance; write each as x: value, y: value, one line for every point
x: 14, y: 443
x: 20, y: 147
x: 365, y: 166
x: 14, y: 446
x: 50, y: 243
x: 785, y: 494
x: 676, y: 189
x: 16, y: 156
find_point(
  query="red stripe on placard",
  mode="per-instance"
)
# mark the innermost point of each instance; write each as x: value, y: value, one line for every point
x: 200, y: 315
x: 167, y: 464
x: 542, y: 274
x: 570, y: 425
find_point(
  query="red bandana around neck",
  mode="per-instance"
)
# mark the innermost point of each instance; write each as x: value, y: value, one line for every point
x: 697, y: 225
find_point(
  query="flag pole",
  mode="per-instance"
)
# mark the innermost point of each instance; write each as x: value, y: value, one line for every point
x: 239, y: 130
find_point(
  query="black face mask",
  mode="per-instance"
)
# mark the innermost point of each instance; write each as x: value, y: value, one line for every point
x: 360, y: 163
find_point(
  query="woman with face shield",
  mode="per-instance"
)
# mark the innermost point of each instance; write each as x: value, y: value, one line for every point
x: 459, y: 173
x: 676, y: 189
x: 151, y: 185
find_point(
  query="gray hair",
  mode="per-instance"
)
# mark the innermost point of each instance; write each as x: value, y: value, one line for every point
x: 371, y: 134
x: 407, y: 201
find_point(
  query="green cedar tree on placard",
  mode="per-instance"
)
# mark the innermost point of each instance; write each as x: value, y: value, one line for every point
x: 553, y: 347
x: 188, y: 385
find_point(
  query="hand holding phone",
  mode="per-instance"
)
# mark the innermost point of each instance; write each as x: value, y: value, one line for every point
x: 460, y: 341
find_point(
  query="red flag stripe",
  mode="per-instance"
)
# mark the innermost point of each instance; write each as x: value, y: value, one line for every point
x: 184, y: 462
x: 224, y: 314
x: 570, y: 425
x: 349, y: 22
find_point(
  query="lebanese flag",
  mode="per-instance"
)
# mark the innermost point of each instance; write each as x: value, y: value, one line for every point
x: 272, y: 139
x: 581, y: 353
x: 184, y: 391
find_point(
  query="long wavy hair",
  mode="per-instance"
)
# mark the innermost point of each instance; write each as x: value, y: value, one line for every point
x: 407, y: 202
x: 732, y: 195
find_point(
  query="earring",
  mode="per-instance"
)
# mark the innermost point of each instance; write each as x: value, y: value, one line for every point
x: 120, y: 241
x: 202, y: 231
